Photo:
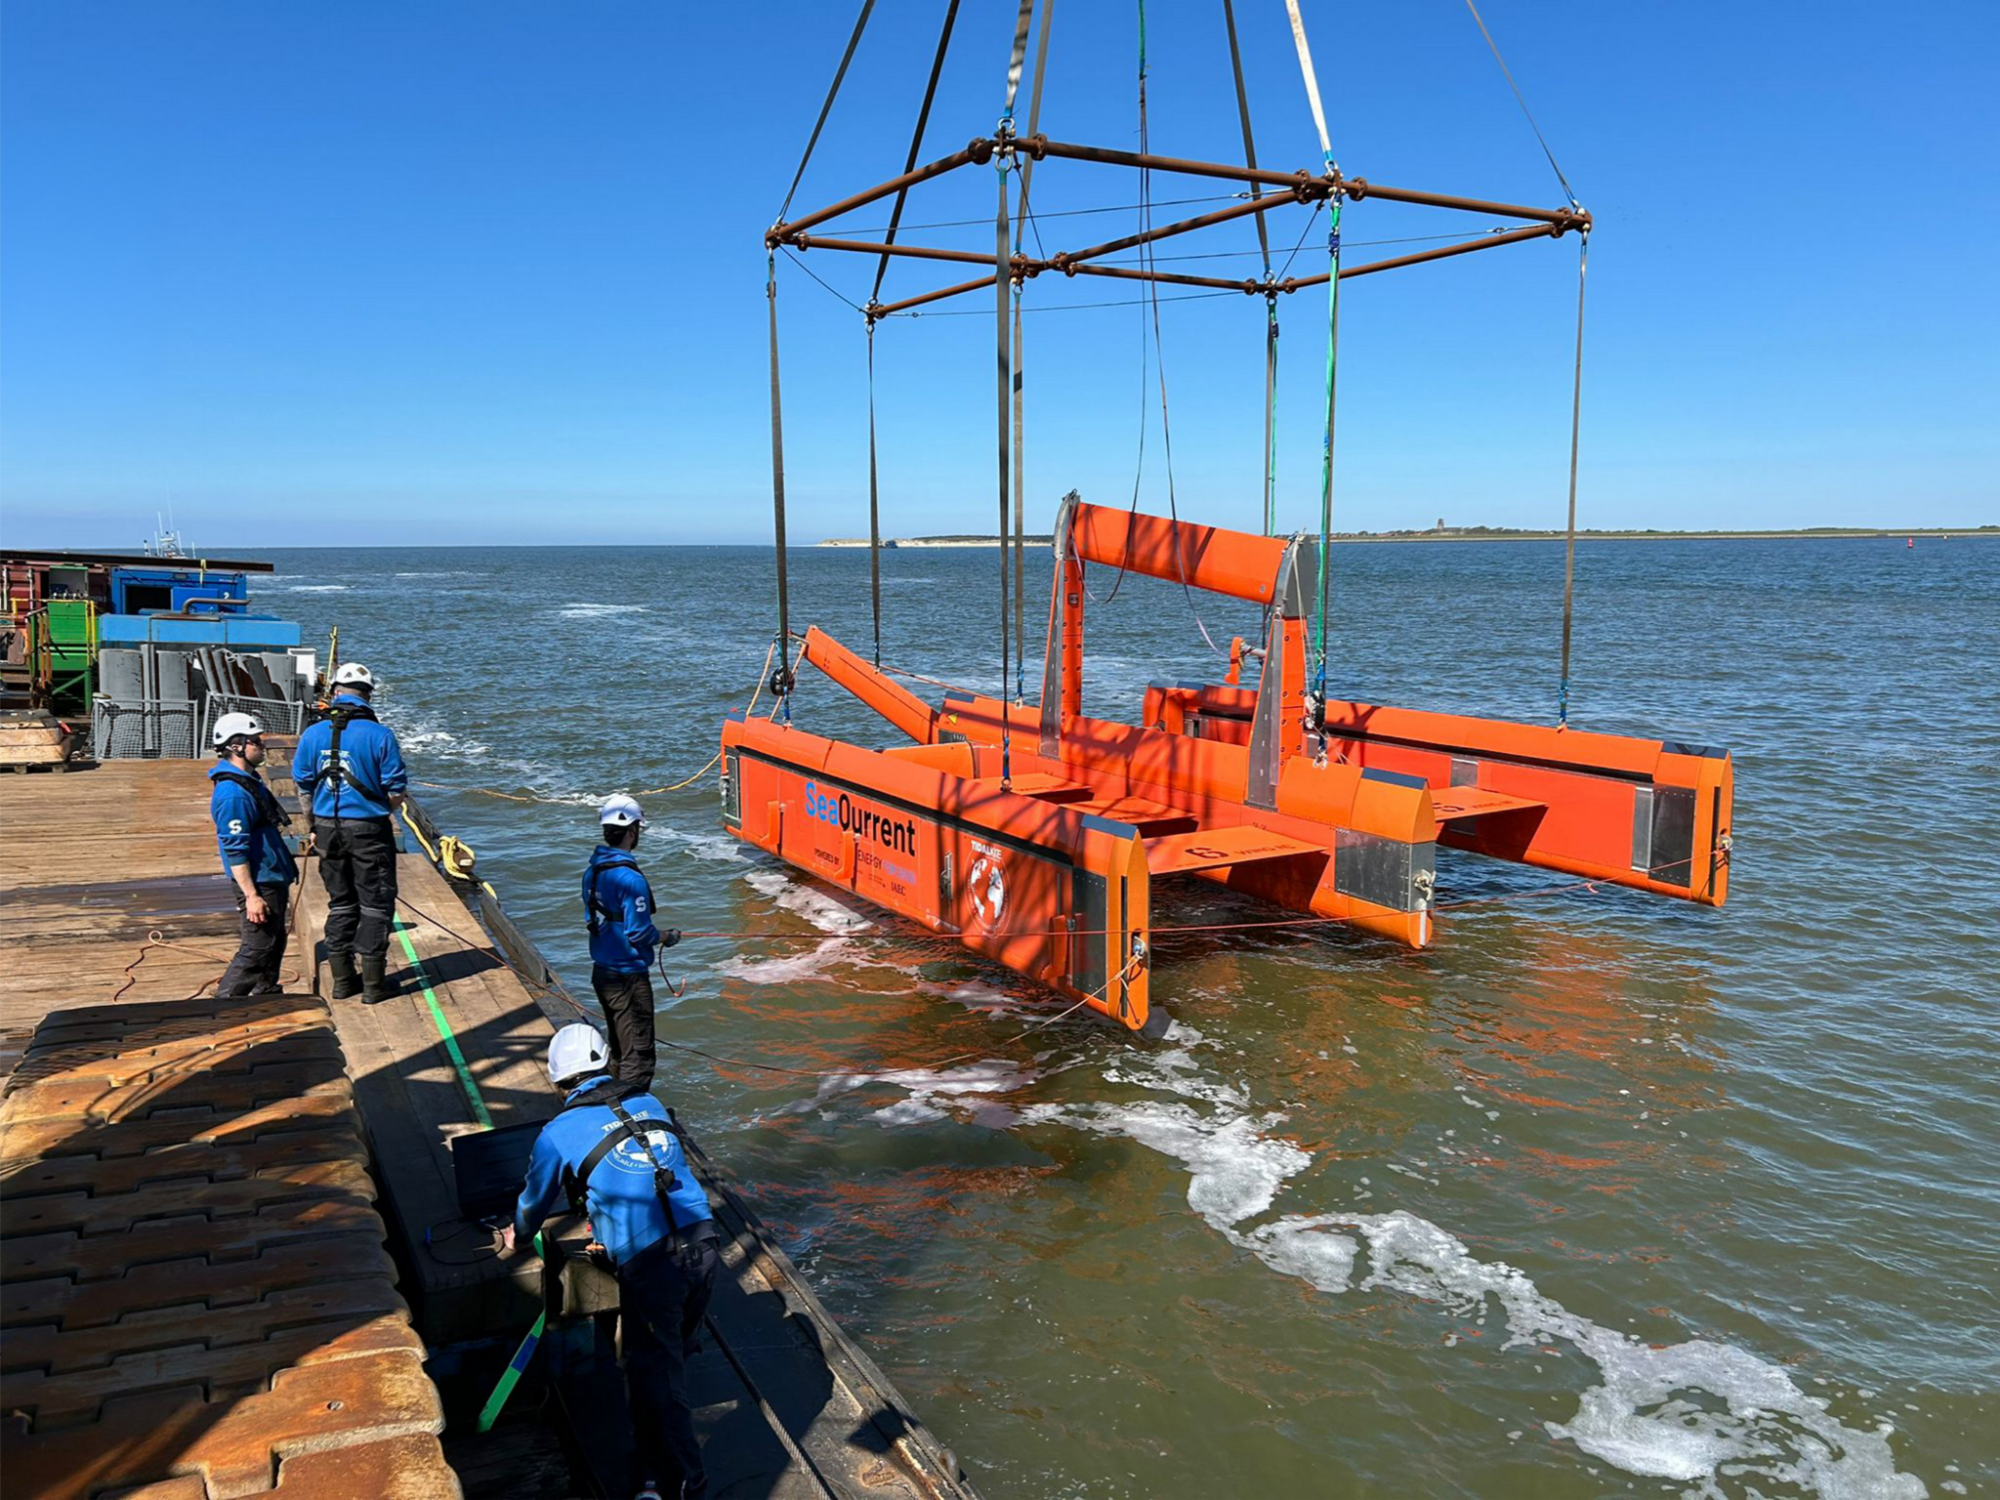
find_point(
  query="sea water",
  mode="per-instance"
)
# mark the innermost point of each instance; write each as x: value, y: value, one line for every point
x: 1601, y: 1195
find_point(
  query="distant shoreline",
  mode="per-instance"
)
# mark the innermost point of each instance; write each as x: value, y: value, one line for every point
x: 1805, y: 534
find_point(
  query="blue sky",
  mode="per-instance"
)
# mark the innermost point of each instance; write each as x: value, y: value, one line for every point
x: 492, y: 272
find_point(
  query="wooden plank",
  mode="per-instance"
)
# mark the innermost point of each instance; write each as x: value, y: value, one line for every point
x: 194, y: 1283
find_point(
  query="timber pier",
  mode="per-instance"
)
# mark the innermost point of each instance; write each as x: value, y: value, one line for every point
x: 239, y: 1241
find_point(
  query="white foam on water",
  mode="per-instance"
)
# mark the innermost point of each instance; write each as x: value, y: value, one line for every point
x: 581, y: 610
x: 1702, y: 1413
x: 441, y: 742
x: 790, y: 968
x: 315, y: 588
x: 942, y: 1095
x: 446, y: 573
x: 1685, y: 1411
x: 818, y: 908
x: 1237, y: 1170
x: 715, y: 848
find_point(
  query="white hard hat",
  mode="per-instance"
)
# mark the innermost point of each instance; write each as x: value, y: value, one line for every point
x: 229, y: 726
x: 620, y: 811
x: 353, y: 674
x: 576, y: 1050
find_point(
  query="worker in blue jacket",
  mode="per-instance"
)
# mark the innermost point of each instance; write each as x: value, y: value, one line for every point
x: 249, y: 834
x: 617, y: 1150
x: 353, y: 768
x: 618, y: 911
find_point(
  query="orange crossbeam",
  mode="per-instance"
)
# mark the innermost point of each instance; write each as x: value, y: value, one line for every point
x: 1203, y: 557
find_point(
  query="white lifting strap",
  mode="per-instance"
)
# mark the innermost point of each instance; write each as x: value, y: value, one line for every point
x: 1312, y: 81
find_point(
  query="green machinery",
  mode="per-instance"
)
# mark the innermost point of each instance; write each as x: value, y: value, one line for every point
x: 62, y: 655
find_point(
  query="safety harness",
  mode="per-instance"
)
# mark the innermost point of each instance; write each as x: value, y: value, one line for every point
x: 268, y: 806
x: 597, y: 913
x: 339, y: 716
x: 611, y: 1095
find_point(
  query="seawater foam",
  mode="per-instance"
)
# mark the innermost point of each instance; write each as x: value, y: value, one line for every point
x: 825, y: 913
x: 791, y: 968
x: 966, y: 1089
x: 1714, y: 1417
x: 586, y: 611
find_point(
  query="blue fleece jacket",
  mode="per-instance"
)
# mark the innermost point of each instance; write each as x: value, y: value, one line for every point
x: 245, y: 833
x: 624, y: 1208
x: 370, y: 756
x: 623, y: 936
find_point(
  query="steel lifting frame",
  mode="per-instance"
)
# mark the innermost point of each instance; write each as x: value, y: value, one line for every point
x: 1284, y: 188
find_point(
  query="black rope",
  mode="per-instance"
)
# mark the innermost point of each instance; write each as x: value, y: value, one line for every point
x: 834, y: 290
x: 874, y: 506
x: 860, y: 23
x: 1569, y: 541
x: 1494, y: 47
x: 916, y: 145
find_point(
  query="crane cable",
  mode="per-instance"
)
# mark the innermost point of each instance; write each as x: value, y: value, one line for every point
x: 1569, y: 537
x: 1332, y: 341
x: 1003, y: 157
x: 1270, y: 297
x: 1576, y: 389
x: 871, y: 316
x: 1020, y: 411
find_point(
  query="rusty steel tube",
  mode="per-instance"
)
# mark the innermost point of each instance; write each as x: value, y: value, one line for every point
x: 939, y: 295
x: 1180, y: 226
x: 871, y: 247
x: 978, y: 151
x: 1313, y: 187
x: 1172, y: 278
x: 1443, y: 252
x: 1359, y: 188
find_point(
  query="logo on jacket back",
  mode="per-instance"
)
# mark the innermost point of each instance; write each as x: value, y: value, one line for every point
x: 630, y: 1155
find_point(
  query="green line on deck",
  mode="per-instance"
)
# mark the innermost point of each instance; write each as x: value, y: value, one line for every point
x: 465, y: 1079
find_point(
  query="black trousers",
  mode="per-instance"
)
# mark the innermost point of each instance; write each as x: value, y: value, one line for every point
x: 628, y: 1024
x: 663, y: 1294
x: 260, y: 949
x: 357, y: 864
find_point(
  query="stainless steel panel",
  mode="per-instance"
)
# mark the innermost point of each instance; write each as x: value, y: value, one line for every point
x: 1089, y: 912
x: 1387, y: 872
x: 1464, y: 772
x: 1642, y: 828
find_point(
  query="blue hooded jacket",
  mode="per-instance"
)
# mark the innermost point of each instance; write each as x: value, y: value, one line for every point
x: 369, y: 753
x: 622, y: 936
x: 624, y: 1209
x: 245, y: 831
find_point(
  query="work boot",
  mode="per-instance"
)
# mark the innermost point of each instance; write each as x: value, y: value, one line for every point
x: 346, y: 982
x: 374, y: 979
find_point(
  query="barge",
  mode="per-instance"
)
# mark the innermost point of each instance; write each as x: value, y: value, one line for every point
x: 247, y: 1245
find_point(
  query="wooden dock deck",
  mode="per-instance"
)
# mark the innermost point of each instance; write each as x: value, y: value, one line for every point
x: 111, y: 898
